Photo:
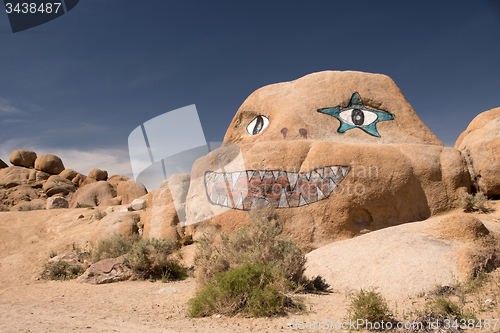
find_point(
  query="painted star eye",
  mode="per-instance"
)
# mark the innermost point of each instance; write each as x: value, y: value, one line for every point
x: 357, y: 117
x: 257, y: 125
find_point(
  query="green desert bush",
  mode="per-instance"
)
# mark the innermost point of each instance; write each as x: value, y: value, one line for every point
x: 155, y: 258
x: 444, y: 307
x: 113, y: 247
x: 260, y: 242
x: 62, y: 271
x: 253, y: 289
x: 369, y: 305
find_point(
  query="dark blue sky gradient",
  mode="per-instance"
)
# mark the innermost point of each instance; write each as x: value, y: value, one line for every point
x: 84, y: 81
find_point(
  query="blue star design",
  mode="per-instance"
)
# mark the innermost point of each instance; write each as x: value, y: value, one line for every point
x: 358, y: 116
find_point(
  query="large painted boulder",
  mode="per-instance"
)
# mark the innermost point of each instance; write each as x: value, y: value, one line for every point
x: 332, y: 155
x: 480, y: 143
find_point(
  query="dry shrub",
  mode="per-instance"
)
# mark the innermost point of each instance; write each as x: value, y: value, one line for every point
x: 113, y: 247
x: 260, y: 242
x: 155, y: 258
x: 473, y: 202
x: 253, y: 289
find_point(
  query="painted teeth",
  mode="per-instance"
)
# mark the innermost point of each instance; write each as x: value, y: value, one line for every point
x: 221, y: 187
x: 234, y: 179
x: 302, y: 201
x: 345, y: 170
x: 250, y: 174
x: 320, y: 193
x: 283, y: 203
x: 239, y: 203
x: 292, y: 179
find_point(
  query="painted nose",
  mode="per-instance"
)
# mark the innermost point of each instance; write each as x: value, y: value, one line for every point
x: 302, y: 132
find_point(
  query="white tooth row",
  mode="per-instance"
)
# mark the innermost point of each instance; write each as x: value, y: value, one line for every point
x: 337, y: 173
x: 224, y: 201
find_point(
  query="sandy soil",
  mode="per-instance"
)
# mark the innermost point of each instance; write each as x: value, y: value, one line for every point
x: 28, y: 304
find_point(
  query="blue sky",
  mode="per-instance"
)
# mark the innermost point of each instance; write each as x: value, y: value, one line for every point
x: 77, y: 86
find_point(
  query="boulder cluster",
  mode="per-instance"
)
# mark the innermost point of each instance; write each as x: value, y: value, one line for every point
x: 38, y: 182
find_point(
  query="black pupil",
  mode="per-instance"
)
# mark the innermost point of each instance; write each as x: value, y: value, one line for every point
x: 358, y: 117
x: 258, y: 125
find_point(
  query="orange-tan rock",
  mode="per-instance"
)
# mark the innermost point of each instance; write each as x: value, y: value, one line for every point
x: 160, y: 219
x: 98, y: 174
x: 23, y: 158
x: 480, y: 143
x: 130, y: 190
x: 333, y: 154
x: 95, y: 194
x: 116, y: 223
x: 49, y: 163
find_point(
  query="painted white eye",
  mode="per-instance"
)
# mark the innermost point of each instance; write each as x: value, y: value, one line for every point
x: 257, y: 125
x: 358, y: 117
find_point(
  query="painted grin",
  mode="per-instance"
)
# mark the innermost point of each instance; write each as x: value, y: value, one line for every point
x: 249, y: 189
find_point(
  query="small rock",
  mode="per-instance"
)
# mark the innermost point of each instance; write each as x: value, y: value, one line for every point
x: 69, y: 258
x: 80, y: 217
x: 138, y: 204
x: 56, y: 202
x: 98, y: 174
x: 110, y: 210
x: 124, y: 209
x: 488, y: 301
x: 106, y: 271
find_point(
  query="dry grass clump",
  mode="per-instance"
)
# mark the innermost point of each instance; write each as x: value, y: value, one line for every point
x: 369, y: 305
x: 113, y: 247
x: 156, y: 258
x: 474, y: 202
x: 63, y: 271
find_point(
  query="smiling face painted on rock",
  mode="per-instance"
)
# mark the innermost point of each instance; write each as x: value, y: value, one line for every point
x: 278, y: 189
x: 293, y: 112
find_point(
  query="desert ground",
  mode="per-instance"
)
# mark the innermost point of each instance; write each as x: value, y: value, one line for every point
x: 31, y: 304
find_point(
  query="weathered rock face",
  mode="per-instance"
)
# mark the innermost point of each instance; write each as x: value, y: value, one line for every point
x: 333, y: 154
x: 23, y: 158
x: 454, y: 246
x: 106, y: 271
x: 95, y: 194
x: 161, y: 220
x: 98, y: 174
x: 480, y: 143
x: 58, y: 185
x: 68, y: 174
x: 116, y: 223
x: 49, y: 163
x: 115, y: 180
x: 129, y: 190
x: 56, y: 203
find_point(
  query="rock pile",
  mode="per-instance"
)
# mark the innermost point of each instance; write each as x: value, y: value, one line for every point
x: 32, y: 180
